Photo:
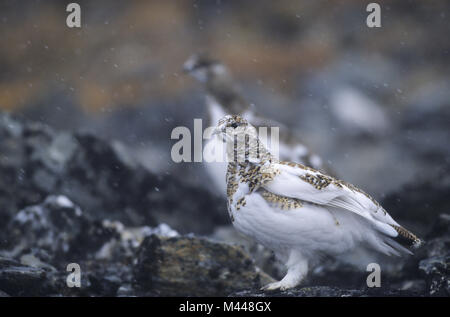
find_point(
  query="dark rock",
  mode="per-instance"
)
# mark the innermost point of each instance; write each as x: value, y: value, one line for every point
x: 421, y: 201
x: 43, y: 239
x: 187, y: 266
x: 326, y: 291
x: 436, y: 263
x: 3, y: 294
x: 99, y: 176
x: 56, y: 228
x: 437, y: 271
x: 98, y: 278
x: 264, y: 258
x: 20, y: 280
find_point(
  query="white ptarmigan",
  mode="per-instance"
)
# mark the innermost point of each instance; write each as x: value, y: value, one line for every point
x: 298, y: 212
x: 223, y: 98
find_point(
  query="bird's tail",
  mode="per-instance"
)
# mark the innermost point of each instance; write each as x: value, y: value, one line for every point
x: 407, y: 238
x: 402, y: 243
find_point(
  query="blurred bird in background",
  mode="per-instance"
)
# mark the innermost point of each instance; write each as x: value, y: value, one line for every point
x: 223, y: 97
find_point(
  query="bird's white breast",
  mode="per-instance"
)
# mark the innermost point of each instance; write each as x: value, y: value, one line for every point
x: 308, y: 229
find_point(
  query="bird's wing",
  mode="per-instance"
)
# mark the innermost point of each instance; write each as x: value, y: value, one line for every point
x: 300, y: 182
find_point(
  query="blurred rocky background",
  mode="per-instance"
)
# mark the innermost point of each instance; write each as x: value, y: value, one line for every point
x: 86, y: 116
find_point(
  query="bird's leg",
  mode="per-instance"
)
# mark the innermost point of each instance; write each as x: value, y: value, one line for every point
x: 297, y: 270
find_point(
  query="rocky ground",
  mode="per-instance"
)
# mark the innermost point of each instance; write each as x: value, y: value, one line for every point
x: 75, y: 198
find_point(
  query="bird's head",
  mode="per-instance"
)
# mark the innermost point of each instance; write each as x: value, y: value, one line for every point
x: 242, y: 139
x: 204, y: 68
x: 234, y: 125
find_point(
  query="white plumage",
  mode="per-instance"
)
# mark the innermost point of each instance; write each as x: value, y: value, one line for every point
x: 300, y: 213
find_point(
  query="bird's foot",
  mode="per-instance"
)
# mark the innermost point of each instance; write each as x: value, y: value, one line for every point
x: 297, y: 269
